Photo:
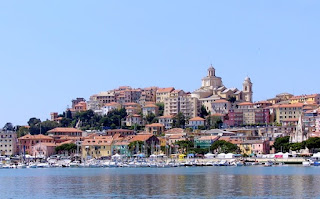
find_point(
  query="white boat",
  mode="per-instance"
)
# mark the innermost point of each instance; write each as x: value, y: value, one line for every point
x: 32, y: 165
x: 43, y: 165
x: 210, y: 164
x: 268, y: 164
x: 9, y: 166
x: 113, y: 164
x: 223, y: 163
x: 153, y: 164
x: 132, y: 164
x: 239, y: 164
x: 306, y: 164
x: 21, y: 166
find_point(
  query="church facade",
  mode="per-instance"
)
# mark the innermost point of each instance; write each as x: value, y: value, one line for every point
x: 212, y: 89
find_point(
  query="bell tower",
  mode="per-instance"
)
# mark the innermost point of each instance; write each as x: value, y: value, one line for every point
x: 247, y: 90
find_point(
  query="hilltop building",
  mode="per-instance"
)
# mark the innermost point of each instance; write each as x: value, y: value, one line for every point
x: 212, y: 89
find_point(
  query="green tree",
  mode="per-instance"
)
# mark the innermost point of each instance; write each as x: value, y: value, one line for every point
x: 161, y: 108
x: 203, y: 112
x: 8, y: 127
x: 135, y: 146
x: 313, y: 143
x: 48, y: 125
x: 179, y: 121
x: 222, y: 146
x: 65, y: 122
x: 68, y: 114
x: 22, y: 131
x: 150, y: 117
x: 33, y: 121
x: 66, y: 148
x: 185, y: 145
x: 281, y: 144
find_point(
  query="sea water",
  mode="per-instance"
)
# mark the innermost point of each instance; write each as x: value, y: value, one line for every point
x: 192, y: 182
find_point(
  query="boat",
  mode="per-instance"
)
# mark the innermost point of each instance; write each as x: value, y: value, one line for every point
x: 223, y: 163
x: 306, y: 163
x: 316, y: 163
x: 9, y: 166
x: 32, y: 165
x: 21, y: 166
x: 43, y: 165
x: 268, y: 164
x: 210, y: 164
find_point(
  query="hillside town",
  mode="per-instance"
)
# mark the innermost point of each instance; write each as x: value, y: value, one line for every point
x: 172, y: 122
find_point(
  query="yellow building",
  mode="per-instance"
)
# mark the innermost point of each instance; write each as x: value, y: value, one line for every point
x: 97, y: 147
x: 310, y: 99
x: 286, y: 111
x: 245, y: 148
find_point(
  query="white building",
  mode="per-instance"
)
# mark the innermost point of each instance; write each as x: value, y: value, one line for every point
x: 196, y: 122
x: 109, y: 107
x: 167, y: 121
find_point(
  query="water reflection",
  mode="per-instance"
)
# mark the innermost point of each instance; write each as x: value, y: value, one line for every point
x: 291, y: 182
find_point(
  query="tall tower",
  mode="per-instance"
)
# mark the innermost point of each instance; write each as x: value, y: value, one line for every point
x: 299, y: 135
x: 247, y: 90
x: 211, y: 71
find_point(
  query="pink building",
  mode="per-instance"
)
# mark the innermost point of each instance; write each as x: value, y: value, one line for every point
x: 44, y: 149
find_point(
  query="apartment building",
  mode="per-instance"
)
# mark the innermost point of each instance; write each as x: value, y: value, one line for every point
x: 286, y: 111
x: 8, y: 143
x: 163, y: 93
x: 185, y: 104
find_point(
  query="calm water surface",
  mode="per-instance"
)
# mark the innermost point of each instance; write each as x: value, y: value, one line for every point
x: 197, y: 182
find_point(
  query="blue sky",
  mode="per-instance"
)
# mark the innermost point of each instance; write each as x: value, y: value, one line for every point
x: 52, y: 52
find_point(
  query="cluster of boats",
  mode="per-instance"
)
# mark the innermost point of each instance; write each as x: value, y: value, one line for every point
x: 130, y: 163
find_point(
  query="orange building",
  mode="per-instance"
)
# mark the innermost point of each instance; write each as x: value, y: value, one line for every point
x: 28, y: 141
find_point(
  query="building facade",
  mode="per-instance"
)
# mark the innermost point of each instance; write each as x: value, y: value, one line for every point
x: 8, y: 143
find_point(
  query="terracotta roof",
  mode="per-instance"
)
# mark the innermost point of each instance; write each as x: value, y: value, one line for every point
x: 150, y: 106
x: 176, y: 136
x: 245, y: 104
x: 141, y: 137
x: 165, y: 90
x: 112, y: 104
x: 46, y: 144
x: 174, y: 130
x: 131, y: 104
x: 304, y: 96
x: 263, y: 102
x: 296, y: 105
x: 36, y: 137
x: 119, y: 130
x: 220, y: 101
x: 197, y: 119
x: 166, y: 117
x: 65, y: 130
x: 66, y: 142
x: 130, y: 107
x: 155, y: 125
